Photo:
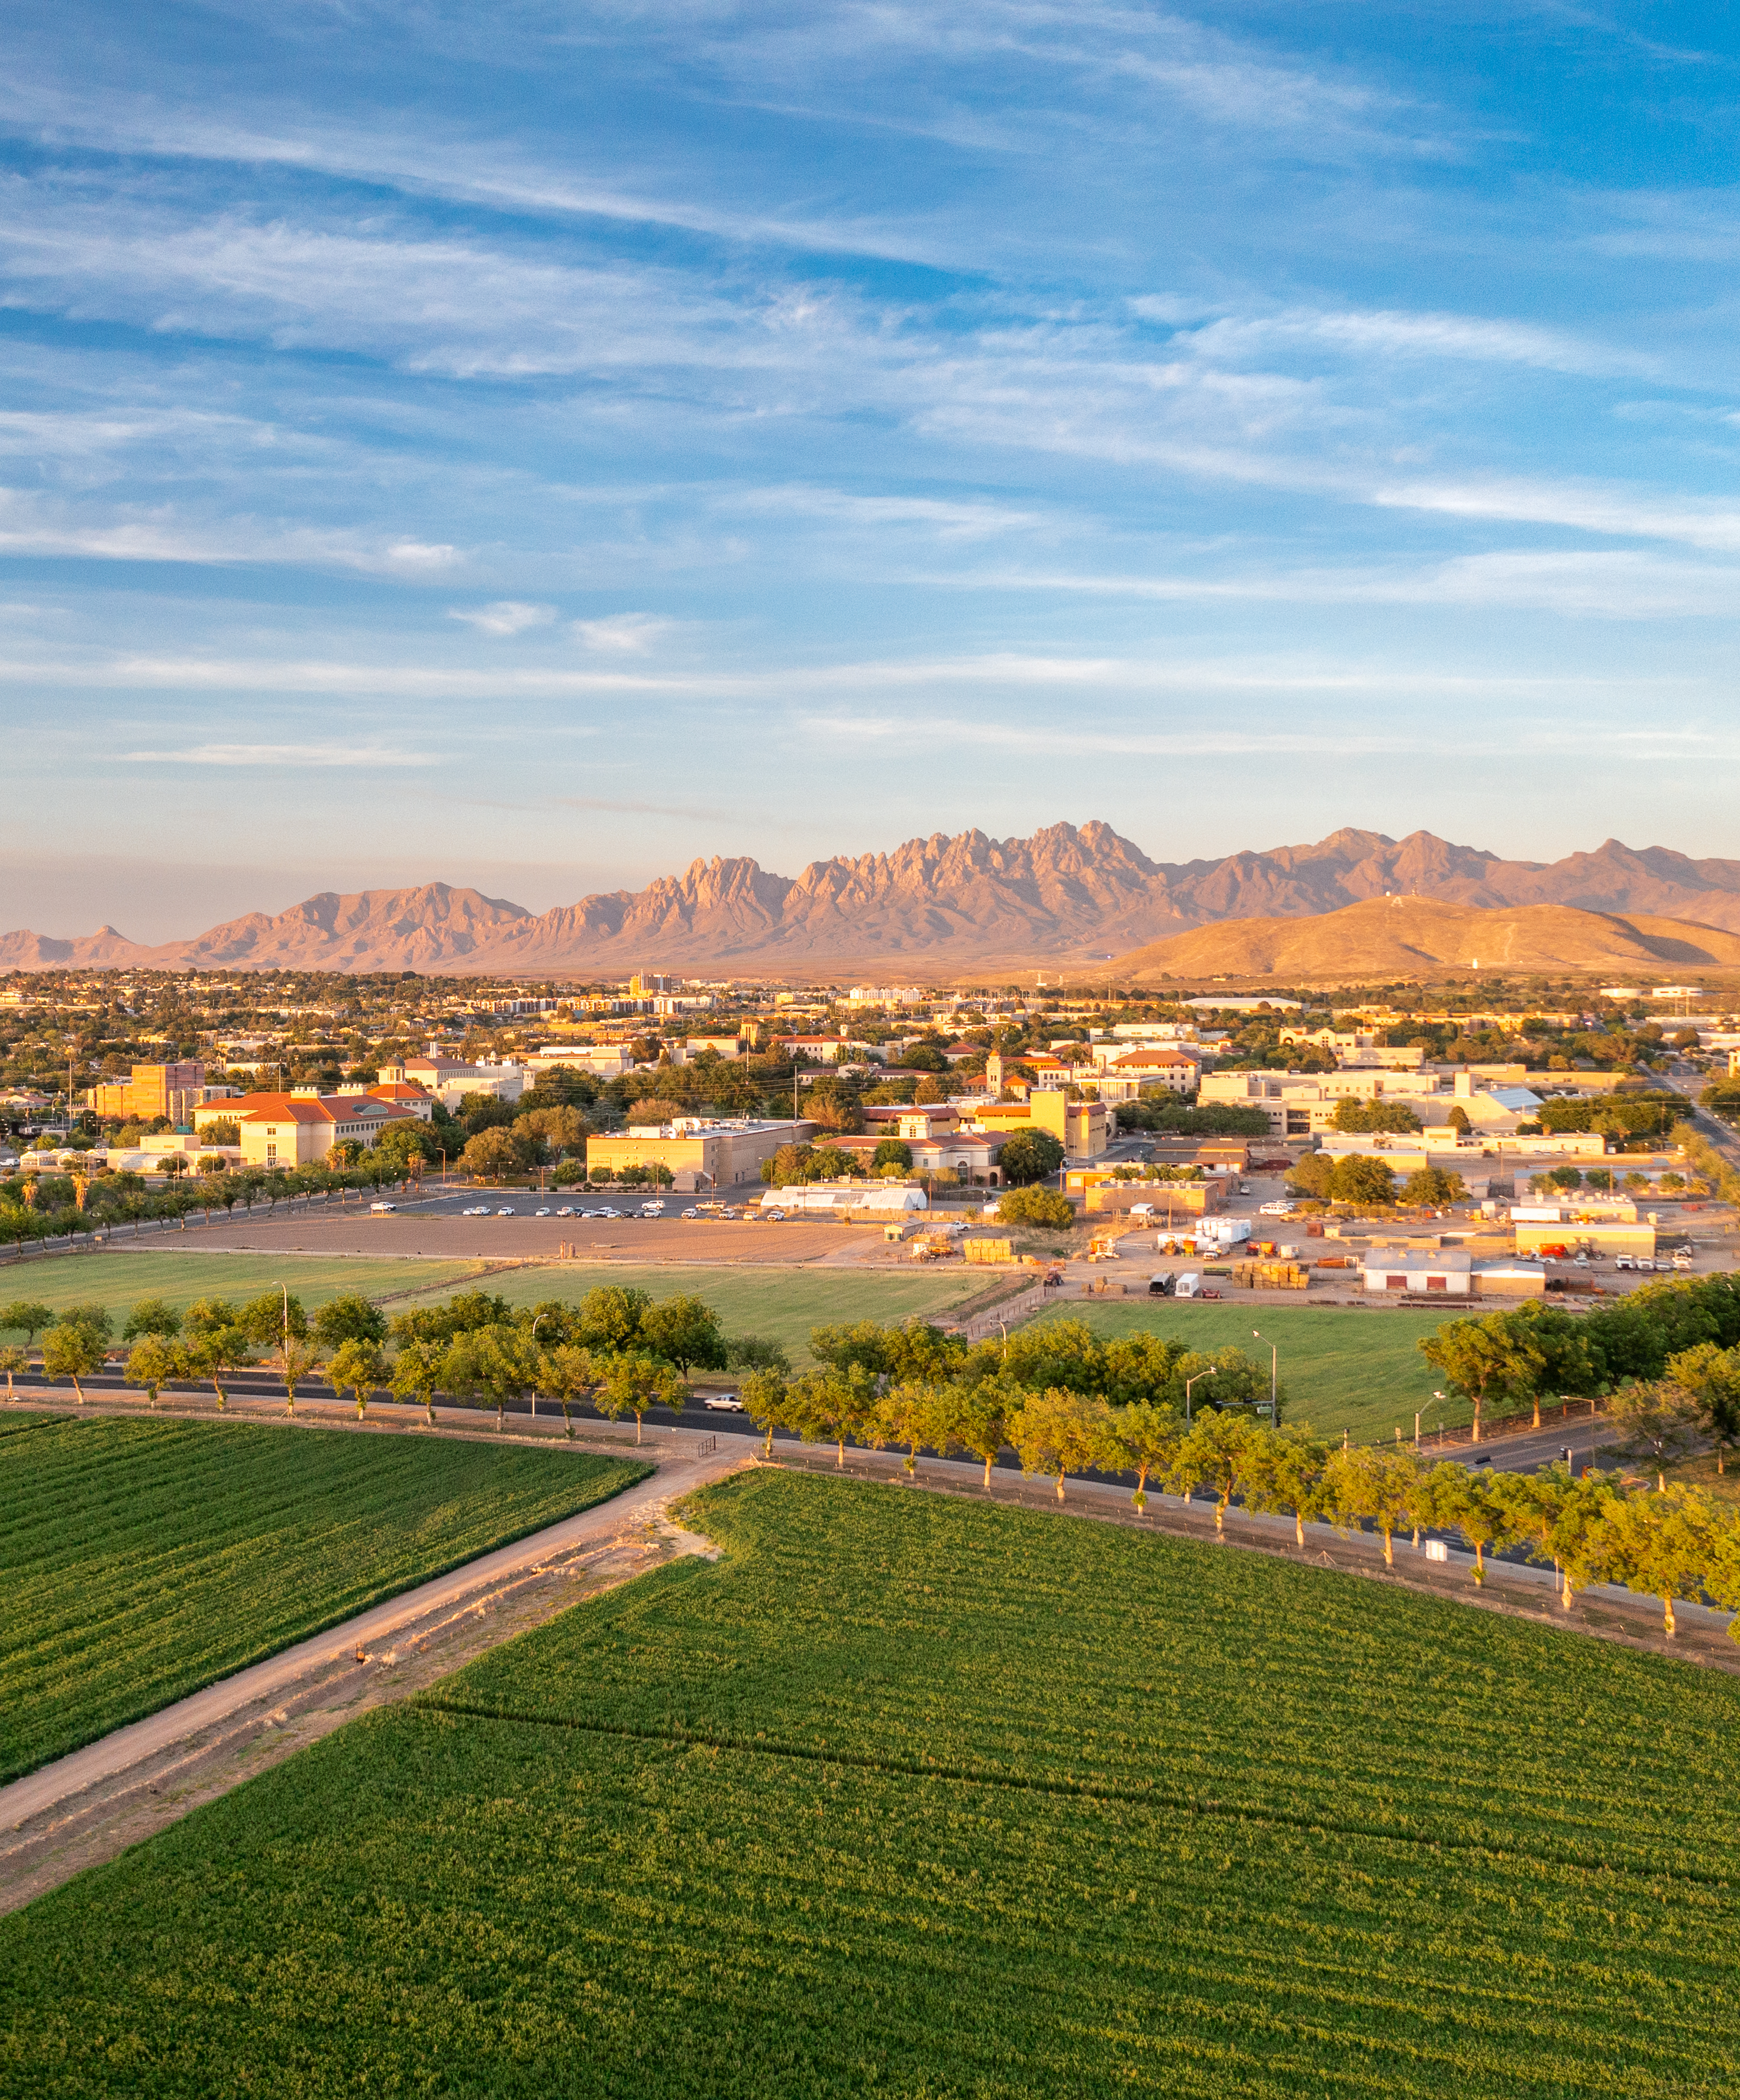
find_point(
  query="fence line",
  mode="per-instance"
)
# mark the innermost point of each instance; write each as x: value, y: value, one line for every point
x: 975, y: 1328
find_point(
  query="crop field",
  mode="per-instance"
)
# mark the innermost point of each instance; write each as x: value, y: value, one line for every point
x: 118, y: 1279
x: 779, y: 1304
x: 1342, y: 1368
x: 140, y: 1561
x: 910, y: 1795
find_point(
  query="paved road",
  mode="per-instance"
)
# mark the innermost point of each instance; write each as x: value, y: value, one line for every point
x: 116, y: 1753
x: 1707, y: 1125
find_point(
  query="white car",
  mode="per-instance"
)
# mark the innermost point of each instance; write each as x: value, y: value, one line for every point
x: 652, y: 1210
x: 475, y: 1210
x: 505, y: 1212
x: 1280, y: 1210
x: 691, y: 1214
x: 723, y: 1403
x: 566, y: 1211
x: 544, y: 1213
x: 606, y: 1212
x: 377, y: 1208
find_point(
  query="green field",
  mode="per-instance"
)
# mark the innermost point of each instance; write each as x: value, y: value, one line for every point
x: 779, y: 1304
x: 910, y: 1795
x: 118, y: 1279
x: 140, y: 1561
x: 1343, y: 1368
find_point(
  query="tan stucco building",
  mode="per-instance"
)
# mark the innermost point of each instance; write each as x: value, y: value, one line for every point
x: 702, y: 1153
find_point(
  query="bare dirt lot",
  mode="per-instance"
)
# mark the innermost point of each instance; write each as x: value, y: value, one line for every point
x: 413, y: 1234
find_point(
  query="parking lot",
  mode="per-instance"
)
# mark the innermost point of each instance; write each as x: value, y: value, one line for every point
x: 518, y: 1225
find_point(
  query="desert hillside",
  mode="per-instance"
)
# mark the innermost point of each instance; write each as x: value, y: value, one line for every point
x: 1406, y: 936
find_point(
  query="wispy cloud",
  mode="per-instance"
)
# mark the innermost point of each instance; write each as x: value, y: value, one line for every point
x: 1579, y: 582
x: 506, y: 616
x: 283, y: 755
x: 1390, y: 333
x: 622, y: 634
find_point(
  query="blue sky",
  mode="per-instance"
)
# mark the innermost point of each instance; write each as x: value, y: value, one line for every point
x: 531, y: 446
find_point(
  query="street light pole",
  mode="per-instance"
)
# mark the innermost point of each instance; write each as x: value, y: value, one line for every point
x: 1274, y: 1374
x: 1188, y: 1383
x: 290, y: 1389
x: 536, y: 1324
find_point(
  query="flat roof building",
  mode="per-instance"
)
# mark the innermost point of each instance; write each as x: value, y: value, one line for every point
x: 701, y: 1152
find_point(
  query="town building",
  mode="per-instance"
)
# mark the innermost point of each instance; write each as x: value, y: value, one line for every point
x: 701, y: 1152
x: 1431, y: 1272
x: 602, y: 1060
x: 174, y: 1090
x: 1084, y: 1129
x: 300, y: 1129
x: 450, y: 1079
x: 969, y: 1156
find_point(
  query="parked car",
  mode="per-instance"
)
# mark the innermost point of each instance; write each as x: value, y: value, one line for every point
x: 691, y: 1213
x: 723, y: 1403
x: 566, y: 1211
x: 778, y: 1217
x: 383, y: 1206
x: 506, y: 1212
x: 606, y: 1212
x: 1281, y: 1209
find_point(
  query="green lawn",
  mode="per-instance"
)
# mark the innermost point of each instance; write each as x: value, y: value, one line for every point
x: 913, y: 1796
x: 139, y: 1560
x: 118, y: 1279
x: 779, y: 1304
x: 1342, y: 1368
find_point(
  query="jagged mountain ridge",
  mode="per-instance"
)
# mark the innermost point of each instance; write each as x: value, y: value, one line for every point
x: 944, y: 900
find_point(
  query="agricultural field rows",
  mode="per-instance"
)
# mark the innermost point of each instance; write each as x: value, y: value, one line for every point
x: 141, y: 1559
x: 1343, y: 1368
x: 911, y: 1795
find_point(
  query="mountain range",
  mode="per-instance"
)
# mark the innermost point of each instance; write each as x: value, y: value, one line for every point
x: 932, y: 906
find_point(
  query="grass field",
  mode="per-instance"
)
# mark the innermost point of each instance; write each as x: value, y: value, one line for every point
x: 910, y: 1796
x: 1342, y: 1368
x: 139, y: 1560
x: 779, y: 1304
x: 118, y: 1279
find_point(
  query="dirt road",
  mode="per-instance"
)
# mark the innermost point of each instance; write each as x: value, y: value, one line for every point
x: 89, y: 1806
